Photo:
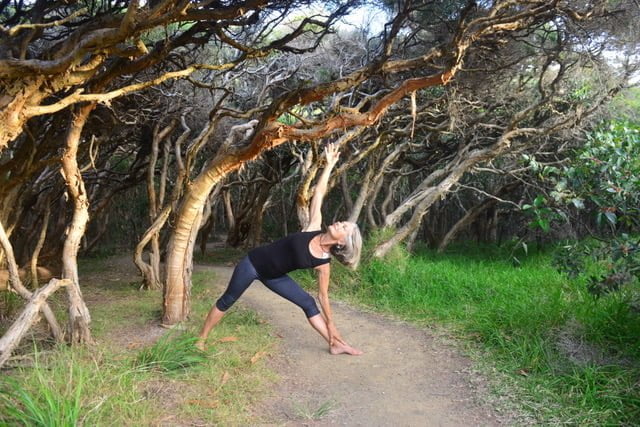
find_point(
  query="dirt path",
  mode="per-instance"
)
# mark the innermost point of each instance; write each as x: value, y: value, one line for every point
x: 405, y: 378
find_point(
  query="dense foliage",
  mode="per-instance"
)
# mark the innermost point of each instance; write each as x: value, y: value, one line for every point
x: 603, y: 183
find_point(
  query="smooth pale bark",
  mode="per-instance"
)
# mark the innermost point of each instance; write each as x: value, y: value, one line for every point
x: 148, y: 270
x: 151, y: 277
x: 362, y: 195
x: 27, y: 318
x: 228, y: 210
x: 373, y: 179
x: 158, y: 215
x: 15, y: 283
x: 177, y: 290
x: 79, y: 318
x: 424, y: 189
x: 371, y: 202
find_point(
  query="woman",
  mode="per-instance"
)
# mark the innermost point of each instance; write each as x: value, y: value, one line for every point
x: 310, y: 248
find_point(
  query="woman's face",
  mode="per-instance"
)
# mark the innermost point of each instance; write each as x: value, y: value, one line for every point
x: 340, y: 231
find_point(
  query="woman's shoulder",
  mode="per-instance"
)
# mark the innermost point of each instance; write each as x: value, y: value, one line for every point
x: 310, y: 229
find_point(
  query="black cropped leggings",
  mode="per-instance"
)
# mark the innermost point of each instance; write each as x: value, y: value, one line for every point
x: 244, y: 274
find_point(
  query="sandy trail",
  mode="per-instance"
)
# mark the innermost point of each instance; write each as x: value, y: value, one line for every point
x: 405, y: 378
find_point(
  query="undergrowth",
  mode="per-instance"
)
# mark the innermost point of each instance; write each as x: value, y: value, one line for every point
x: 136, y: 374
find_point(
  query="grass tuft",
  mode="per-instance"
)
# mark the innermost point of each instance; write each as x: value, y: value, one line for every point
x: 171, y: 353
x: 311, y: 413
x: 43, y: 401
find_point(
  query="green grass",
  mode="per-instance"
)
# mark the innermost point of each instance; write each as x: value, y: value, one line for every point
x: 311, y: 412
x: 172, y: 352
x: 565, y: 356
x: 127, y: 377
x: 51, y: 399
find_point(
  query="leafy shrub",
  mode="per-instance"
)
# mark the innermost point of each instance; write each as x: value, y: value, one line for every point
x: 603, y: 180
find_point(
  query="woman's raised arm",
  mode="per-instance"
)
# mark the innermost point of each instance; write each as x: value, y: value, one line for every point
x: 331, y: 155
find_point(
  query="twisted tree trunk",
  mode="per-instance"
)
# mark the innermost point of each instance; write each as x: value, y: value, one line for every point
x: 177, y: 290
x: 464, y: 161
x: 79, y: 318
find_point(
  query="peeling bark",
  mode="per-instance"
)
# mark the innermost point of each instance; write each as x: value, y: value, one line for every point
x: 177, y: 289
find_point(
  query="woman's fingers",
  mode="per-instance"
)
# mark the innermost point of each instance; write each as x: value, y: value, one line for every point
x: 331, y: 152
x: 340, y: 340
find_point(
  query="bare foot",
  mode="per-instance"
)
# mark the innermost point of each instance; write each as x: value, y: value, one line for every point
x: 343, y: 348
x: 200, y: 344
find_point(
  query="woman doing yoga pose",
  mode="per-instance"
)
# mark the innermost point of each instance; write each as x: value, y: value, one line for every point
x: 310, y: 248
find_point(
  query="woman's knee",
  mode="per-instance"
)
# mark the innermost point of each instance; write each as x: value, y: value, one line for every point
x: 309, y: 306
x: 225, y: 302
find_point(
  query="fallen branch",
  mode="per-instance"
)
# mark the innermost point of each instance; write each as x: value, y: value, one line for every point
x: 27, y: 318
x: 15, y: 284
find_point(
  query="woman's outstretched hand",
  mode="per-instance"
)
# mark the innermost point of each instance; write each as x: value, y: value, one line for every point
x: 334, y: 335
x: 331, y: 154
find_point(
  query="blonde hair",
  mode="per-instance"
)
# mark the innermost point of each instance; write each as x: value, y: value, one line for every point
x: 349, y: 253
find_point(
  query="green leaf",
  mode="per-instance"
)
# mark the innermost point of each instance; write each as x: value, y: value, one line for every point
x: 539, y: 201
x: 578, y: 203
x: 611, y: 217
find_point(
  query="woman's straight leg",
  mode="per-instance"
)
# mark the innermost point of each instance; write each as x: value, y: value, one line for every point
x: 288, y: 289
x: 243, y: 275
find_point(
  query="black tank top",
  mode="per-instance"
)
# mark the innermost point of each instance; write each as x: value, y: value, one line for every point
x: 282, y: 256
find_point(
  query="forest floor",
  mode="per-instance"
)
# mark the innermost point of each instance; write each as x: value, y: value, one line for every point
x: 407, y: 376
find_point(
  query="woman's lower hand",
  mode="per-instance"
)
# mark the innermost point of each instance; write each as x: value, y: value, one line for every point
x: 334, y: 335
